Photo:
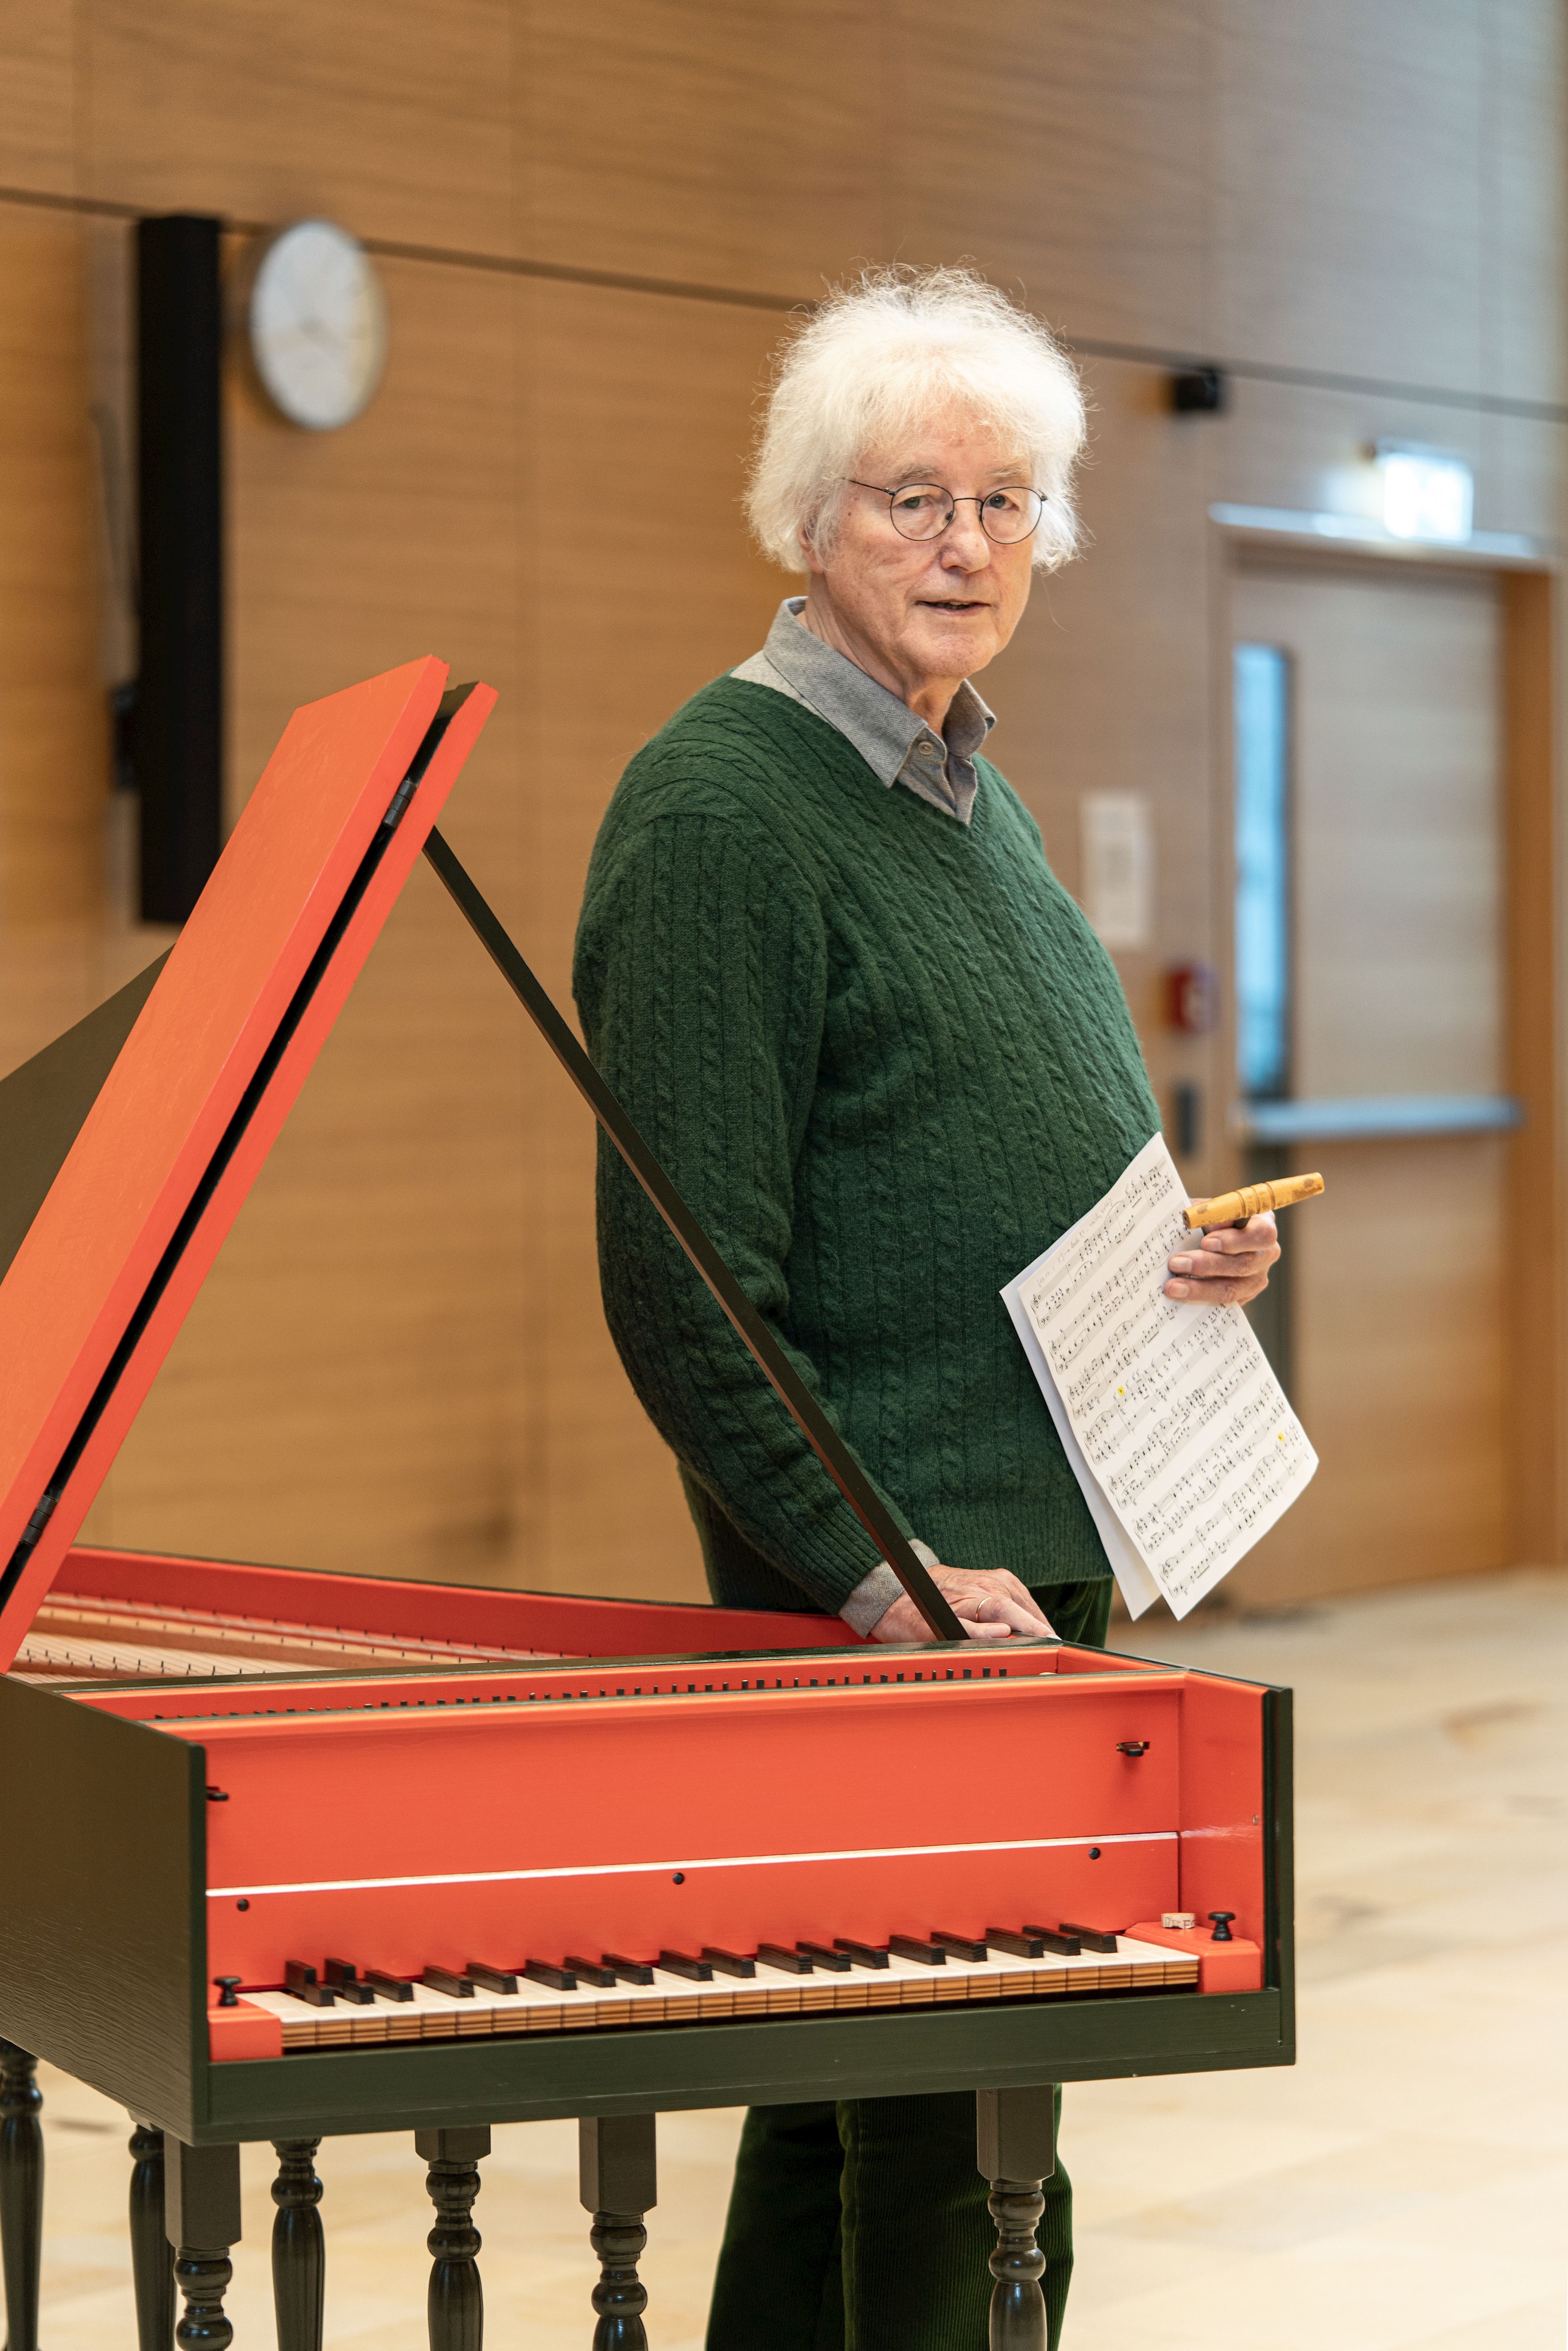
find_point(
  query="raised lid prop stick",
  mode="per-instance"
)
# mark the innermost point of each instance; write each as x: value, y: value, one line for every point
x: 1252, y: 1200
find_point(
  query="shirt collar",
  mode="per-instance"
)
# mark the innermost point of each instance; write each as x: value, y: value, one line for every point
x: 883, y: 730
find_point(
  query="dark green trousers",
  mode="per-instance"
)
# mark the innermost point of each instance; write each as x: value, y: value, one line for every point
x: 862, y: 2226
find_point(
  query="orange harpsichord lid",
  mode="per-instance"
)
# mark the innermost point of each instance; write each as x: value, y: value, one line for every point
x: 128, y: 1145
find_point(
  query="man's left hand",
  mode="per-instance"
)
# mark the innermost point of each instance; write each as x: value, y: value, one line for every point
x: 1229, y: 1267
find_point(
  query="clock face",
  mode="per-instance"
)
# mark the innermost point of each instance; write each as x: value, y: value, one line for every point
x: 317, y: 324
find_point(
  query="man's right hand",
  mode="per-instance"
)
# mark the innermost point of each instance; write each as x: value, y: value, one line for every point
x: 990, y: 1603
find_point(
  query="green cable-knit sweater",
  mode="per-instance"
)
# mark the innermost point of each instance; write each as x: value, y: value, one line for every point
x: 887, y: 1062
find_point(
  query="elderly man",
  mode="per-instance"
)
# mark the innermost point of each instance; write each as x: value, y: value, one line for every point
x: 825, y: 964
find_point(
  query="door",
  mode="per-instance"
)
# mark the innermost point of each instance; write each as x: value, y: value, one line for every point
x: 1370, y: 1026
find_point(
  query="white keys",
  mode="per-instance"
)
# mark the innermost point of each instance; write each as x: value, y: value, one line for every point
x: 431, y: 2015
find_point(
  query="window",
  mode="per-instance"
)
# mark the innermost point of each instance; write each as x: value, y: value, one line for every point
x: 1261, y: 701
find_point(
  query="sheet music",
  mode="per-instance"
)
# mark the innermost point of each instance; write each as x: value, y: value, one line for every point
x: 1178, y: 1431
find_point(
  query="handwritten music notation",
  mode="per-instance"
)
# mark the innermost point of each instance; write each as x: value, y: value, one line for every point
x: 1180, y: 1435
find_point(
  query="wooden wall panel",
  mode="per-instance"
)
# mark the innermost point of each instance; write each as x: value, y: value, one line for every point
x: 1527, y: 472
x: 1063, y: 150
x: 1348, y: 222
x: 50, y: 736
x: 389, y: 121
x: 405, y: 534
x: 36, y: 95
x: 740, y: 146
x: 53, y: 765
x: 1525, y: 72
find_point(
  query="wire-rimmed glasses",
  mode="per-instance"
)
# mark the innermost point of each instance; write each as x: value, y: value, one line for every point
x: 924, y: 509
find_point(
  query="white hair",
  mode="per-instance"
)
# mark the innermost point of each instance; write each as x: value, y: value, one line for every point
x: 886, y: 358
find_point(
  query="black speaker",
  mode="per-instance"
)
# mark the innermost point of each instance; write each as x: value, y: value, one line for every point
x: 1199, y: 390
x: 177, y: 731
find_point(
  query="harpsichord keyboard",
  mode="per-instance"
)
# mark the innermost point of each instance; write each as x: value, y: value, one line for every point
x: 340, y: 2005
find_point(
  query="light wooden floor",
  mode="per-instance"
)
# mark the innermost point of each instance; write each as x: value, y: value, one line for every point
x: 1405, y: 2186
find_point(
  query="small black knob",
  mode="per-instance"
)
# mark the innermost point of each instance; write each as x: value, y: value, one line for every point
x: 1223, y: 1918
x: 216, y: 1796
x: 1132, y: 1746
x: 228, y: 1986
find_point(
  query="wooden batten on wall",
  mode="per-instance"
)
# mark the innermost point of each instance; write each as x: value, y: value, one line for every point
x: 1537, y: 1320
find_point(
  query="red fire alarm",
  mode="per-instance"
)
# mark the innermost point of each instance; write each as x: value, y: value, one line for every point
x: 1192, y: 998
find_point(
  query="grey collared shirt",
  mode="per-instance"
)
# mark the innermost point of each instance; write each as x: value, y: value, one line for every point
x: 900, y: 749
x: 897, y: 745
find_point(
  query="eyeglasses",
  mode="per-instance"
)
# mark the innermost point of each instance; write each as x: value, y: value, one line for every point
x: 924, y: 509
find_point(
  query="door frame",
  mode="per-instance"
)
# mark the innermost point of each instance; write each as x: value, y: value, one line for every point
x: 1532, y: 612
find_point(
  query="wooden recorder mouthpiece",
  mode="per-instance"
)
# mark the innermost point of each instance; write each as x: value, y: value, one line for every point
x: 1252, y: 1200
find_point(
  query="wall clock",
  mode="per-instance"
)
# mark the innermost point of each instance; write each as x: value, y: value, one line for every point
x: 317, y: 324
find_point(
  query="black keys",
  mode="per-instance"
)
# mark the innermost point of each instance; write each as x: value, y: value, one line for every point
x: 387, y: 1987
x: 540, y: 1971
x: 442, y: 1979
x: 1067, y: 1943
x: 1094, y: 1938
x: 501, y: 1980
x: 684, y: 1963
x: 489, y: 1979
x: 905, y: 1947
x: 590, y: 1971
x: 636, y: 1972
x: 343, y: 1978
x: 303, y: 1982
x: 728, y: 1963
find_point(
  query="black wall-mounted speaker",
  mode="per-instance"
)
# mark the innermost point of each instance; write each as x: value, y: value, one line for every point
x: 1199, y: 390
x: 177, y: 732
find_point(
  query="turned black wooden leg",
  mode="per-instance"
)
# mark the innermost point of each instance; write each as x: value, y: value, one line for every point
x: 457, y: 2304
x: 201, y: 2213
x: 298, y: 2254
x: 21, y: 2193
x: 617, y: 2179
x: 1016, y: 2150
x: 152, y: 2255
